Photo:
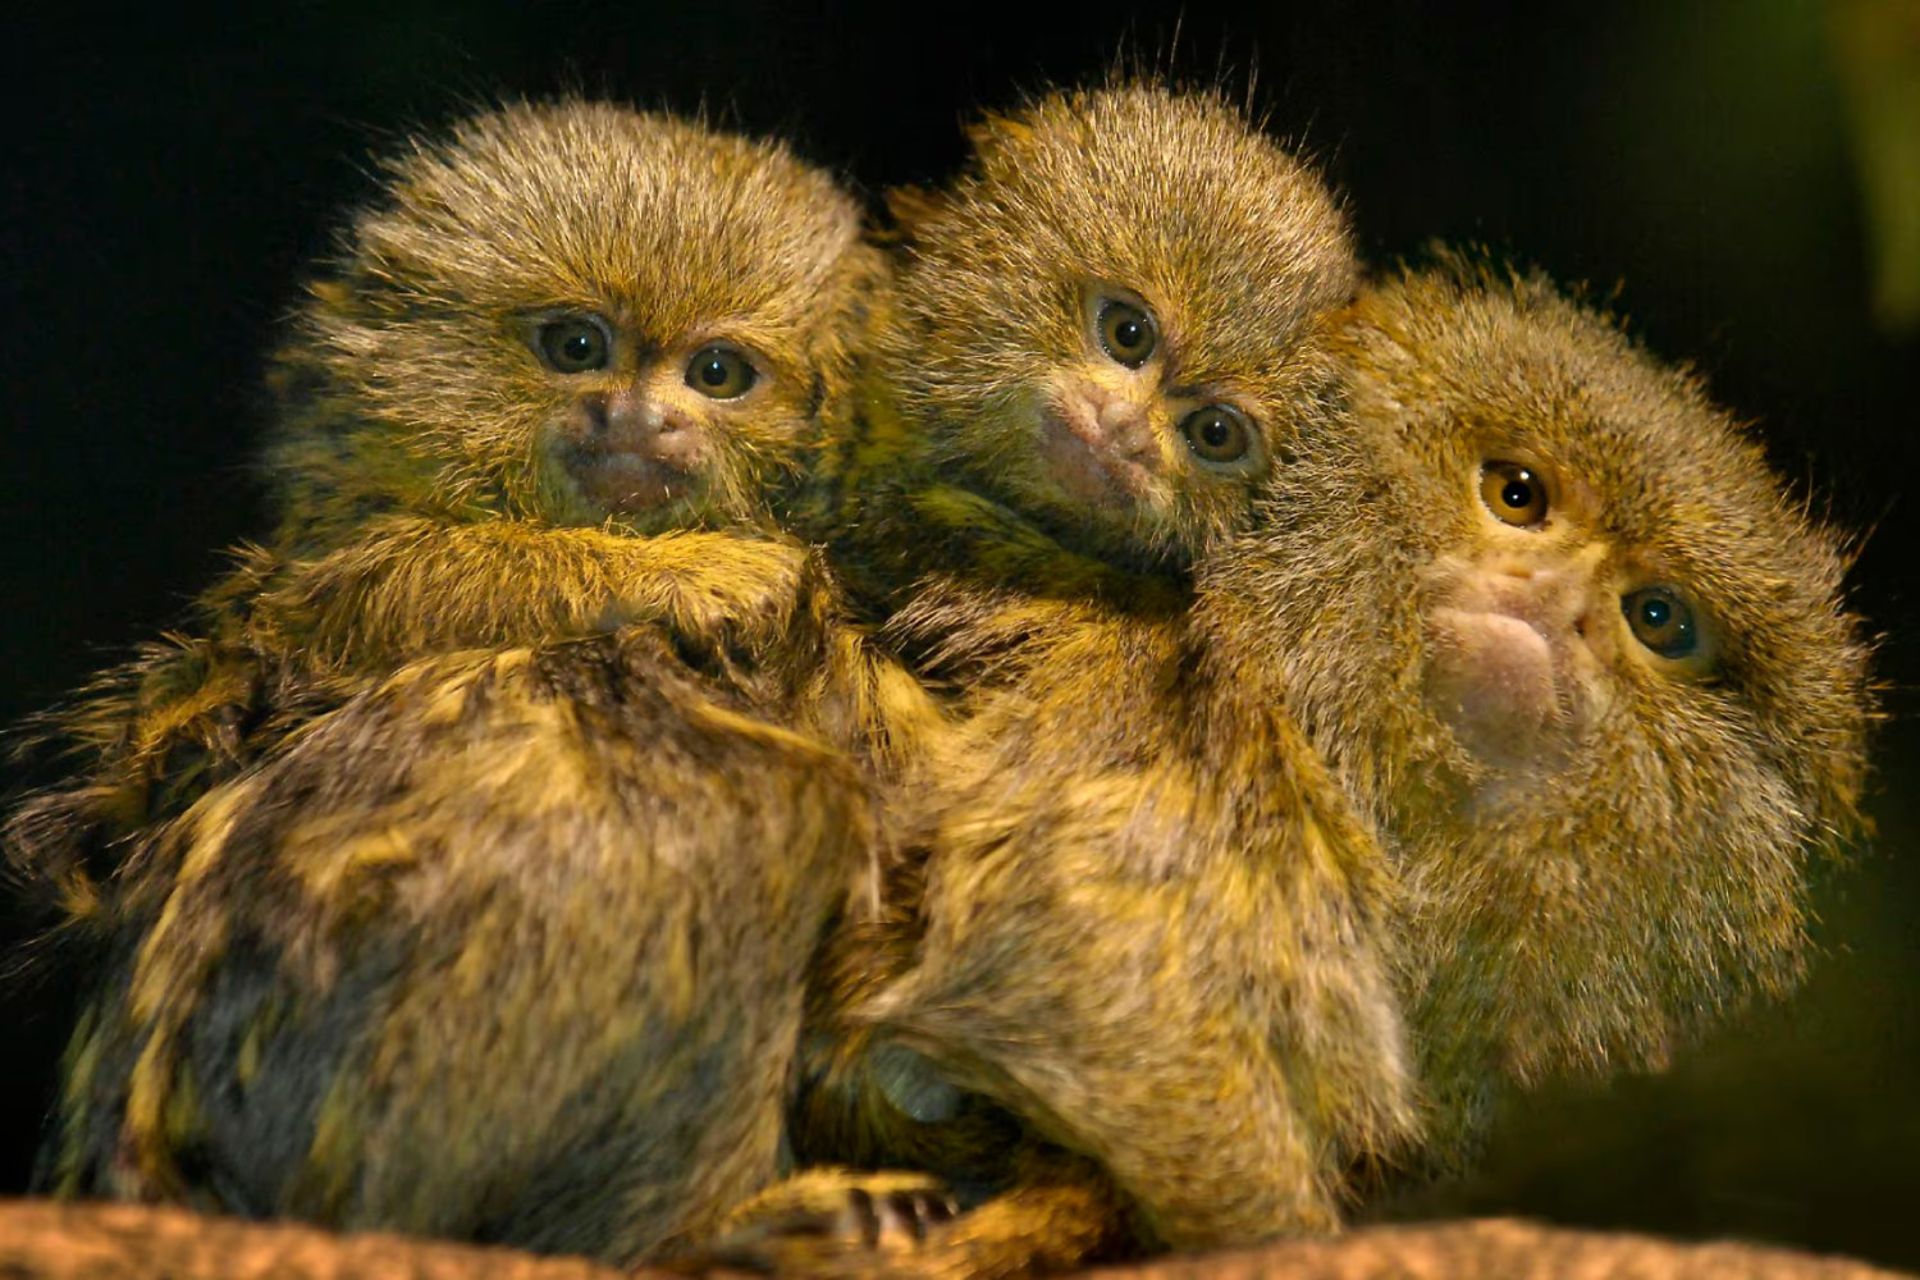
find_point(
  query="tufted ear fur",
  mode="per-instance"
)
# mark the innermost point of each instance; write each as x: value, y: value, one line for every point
x: 911, y: 208
x: 994, y: 130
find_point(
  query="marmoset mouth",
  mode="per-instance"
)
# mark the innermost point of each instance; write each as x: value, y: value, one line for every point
x: 1509, y: 686
x: 1086, y: 461
x: 626, y: 482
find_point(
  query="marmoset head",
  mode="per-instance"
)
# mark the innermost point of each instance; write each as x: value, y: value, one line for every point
x: 578, y: 312
x: 1549, y: 614
x: 1109, y: 320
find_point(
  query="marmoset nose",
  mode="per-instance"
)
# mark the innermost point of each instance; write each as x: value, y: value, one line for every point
x: 1515, y: 569
x: 1554, y: 586
x: 632, y: 422
x: 1123, y: 422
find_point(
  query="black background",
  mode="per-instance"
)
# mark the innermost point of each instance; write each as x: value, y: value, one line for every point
x: 165, y: 185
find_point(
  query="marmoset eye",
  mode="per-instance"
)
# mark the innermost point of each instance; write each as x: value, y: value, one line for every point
x: 573, y: 345
x: 720, y: 372
x: 1514, y: 494
x: 1662, y: 621
x: 1217, y: 434
x: 1126, y: 332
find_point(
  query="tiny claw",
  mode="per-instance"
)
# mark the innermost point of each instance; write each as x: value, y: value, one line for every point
x: 930, y: 1209
x: 900, y: 1216
x: 859, y: 1220
x: 894, y: 1218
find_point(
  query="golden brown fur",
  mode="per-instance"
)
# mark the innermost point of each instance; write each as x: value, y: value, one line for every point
x: 1586, y: 892
x: 986, y: 342
x: 1028, y: 501
x: 507, y: 948
x: 490, y: 918
x: 442, y: 487
x: 1125, y: 866
x: 1589, y: 893
x: 1148, y: 910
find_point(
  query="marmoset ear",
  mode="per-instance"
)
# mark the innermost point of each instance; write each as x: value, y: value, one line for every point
x: 911, y: 208
x: 994, y: 130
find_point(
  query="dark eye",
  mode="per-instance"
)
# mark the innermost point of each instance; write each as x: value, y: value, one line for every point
x: 1217, y: 434
x: 1662, y: 621
x: 720, y: 372
x: 1127, y: 333
x: 573, y: 345
x: 1513, y: 493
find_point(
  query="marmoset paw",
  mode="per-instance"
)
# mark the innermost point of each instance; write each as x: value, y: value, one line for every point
x: 816, y: 1219
x: 902, y: 1216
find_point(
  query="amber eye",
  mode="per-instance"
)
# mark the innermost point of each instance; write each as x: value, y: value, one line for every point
x: 1127, y: 333
x: 1217, y: 434
x: 720, y: 372
x: 1513, y: 493
x: 1662, y: 621
x: 573, y: 345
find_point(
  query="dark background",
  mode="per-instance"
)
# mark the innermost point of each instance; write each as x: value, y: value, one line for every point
x: 166, y: 184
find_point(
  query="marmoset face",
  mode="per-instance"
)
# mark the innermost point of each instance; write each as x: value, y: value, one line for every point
x: 650, y: 431
x: 1111, y: 322
x: 584, y: 313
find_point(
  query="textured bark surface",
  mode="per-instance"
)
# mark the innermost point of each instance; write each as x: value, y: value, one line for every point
x: 1504, y: 1249
x: 44, y: 1240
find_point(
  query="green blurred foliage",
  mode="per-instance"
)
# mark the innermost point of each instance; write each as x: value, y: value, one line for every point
x: 1876, y: 47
